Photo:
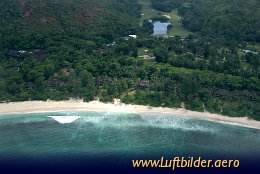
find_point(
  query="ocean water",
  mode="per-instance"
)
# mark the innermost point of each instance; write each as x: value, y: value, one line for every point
x: 106, y: 134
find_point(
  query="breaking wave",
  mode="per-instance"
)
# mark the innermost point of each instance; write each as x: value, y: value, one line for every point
x: 120, y: 120
x: 178, y: 122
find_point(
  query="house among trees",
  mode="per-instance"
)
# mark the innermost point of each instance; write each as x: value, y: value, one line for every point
x: 54, y: 83
x: 101, y: 51
x: 148, y: 58
x: 133, y: 36
x: 28, y: 85
x: 185, y: 39
x: 22, y: 54
x: 39, y: 54
x: 17, y: 54
x: 144, y: 84
x: 187, y: 50
x: 200, y: 52
x: 249, y: 51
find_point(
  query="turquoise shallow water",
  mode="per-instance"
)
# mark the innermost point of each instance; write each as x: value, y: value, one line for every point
x: 105, y: 134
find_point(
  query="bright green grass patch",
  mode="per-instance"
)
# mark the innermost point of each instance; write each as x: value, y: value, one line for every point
x: 255, y: 47
x: 141, y: 51
x: 178, y: 28
x: 240, y: 53
x: 148, y: 12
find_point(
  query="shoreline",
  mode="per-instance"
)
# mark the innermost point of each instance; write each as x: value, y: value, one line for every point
x: 96, y: 106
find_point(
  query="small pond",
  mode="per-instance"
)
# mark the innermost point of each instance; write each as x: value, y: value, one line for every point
x: 160, y: 28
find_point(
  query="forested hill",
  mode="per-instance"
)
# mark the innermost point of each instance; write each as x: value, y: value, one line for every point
x: 25, y: 22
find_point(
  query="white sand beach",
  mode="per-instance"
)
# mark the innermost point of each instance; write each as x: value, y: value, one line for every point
x: 117, y: 106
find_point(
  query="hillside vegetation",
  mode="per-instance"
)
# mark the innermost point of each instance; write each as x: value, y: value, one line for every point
x: 58, y: 49
x: 28, y: 24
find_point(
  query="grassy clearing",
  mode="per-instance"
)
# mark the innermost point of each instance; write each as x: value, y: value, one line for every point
x: 240, y: 53
x: 148, y: 12
x: 141, y: 51
x: 255, y: 47
x: 178, y: 28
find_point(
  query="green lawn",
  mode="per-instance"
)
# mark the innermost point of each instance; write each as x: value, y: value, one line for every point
x: 141, y: 51
x: 255, y: 47
x: 240, y: 53
x: 148, y: 12
x: 178, y: 28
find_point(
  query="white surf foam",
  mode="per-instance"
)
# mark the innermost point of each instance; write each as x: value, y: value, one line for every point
x: 65, y: 119
x: 96, y: 119
x: 182, y: 123
x: 235, y: 124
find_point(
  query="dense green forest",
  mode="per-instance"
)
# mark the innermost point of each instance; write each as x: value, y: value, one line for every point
x: 226, y: 20
x: 35, y: 24
x: 82, y: 49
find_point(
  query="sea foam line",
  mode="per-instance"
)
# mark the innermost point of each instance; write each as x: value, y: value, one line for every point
x: 65, y: 119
